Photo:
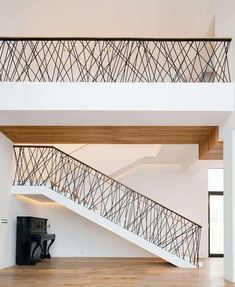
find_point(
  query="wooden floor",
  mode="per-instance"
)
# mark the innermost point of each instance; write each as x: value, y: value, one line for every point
x: 119, y: 272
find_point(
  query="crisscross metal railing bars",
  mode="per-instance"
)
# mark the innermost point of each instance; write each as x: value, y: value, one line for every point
x: 48, y: 166
x: 114, y: 60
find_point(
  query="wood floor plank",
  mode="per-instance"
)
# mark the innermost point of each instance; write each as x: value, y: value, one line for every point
x: 117, y: 272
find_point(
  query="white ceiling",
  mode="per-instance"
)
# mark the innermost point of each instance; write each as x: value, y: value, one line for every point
x: 134, y: 118
x: 111, y: 118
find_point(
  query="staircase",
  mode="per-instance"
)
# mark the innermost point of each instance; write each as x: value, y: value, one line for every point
x: 47, y: 171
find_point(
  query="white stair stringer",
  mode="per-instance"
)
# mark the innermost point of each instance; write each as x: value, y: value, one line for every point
x: 101, y: 221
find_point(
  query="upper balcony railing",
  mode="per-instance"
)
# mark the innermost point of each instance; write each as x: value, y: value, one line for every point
x: 114, y: 60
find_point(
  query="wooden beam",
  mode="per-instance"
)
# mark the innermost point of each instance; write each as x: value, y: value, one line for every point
x: 205, y: 136
x: 211, y: 147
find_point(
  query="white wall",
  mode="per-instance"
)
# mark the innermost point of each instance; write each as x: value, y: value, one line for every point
x: 112, y: 158
x: 225, y: 26
x: 133, y: 18
x: 184, y: 191
x: 10, y: 206
x: 76, y: 236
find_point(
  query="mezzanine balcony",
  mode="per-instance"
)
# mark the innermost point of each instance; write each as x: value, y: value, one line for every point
x: 115, y: 82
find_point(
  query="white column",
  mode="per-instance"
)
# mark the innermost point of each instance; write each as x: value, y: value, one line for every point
x: 7, y: 230
x: 10, y: 205
x: 229, y: 205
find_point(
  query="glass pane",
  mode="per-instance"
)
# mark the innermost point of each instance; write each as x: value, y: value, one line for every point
x: 216, y: 179
x: 216, y: 224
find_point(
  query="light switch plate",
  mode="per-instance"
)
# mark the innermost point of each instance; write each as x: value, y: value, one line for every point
x: 4, y: 220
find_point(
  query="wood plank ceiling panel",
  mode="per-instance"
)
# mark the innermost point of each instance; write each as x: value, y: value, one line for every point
x: 205, y: 136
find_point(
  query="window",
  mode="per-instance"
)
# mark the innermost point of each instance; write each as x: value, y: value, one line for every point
x: 216, y: 179
x: 216, y: 212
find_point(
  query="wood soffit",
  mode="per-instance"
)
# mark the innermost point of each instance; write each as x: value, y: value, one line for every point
x: 205, y: 136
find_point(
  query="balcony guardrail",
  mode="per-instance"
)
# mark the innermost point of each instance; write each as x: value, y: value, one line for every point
x: 114, y: 60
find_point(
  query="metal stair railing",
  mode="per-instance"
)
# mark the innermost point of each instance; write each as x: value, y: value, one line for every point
x: 88, y: 187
